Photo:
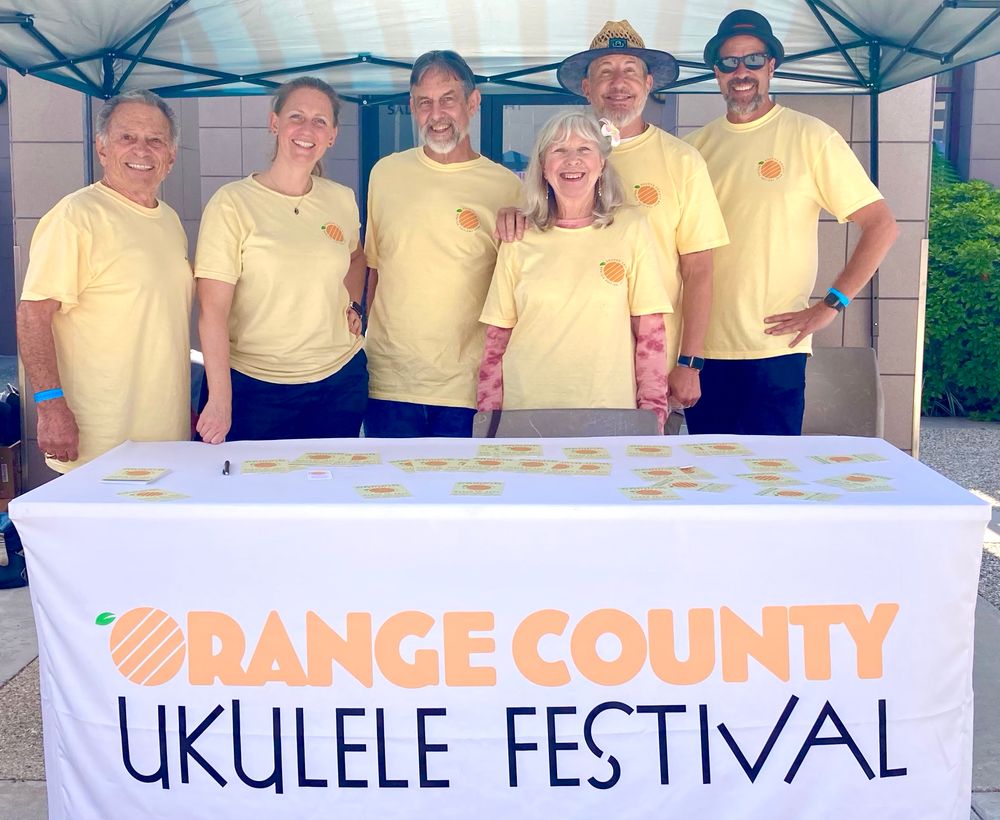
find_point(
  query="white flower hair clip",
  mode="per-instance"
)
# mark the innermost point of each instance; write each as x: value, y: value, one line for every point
x: 609, y: 130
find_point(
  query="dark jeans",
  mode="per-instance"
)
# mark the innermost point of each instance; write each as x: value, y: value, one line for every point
x: 763, y: 397
x: 400, y: 419
x: 331, y: 408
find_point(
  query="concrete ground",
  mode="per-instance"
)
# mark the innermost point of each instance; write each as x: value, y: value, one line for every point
x: 967, y: 452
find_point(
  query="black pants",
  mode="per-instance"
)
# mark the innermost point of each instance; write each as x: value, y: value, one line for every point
x: 331, y: 408
x: 764, y: 397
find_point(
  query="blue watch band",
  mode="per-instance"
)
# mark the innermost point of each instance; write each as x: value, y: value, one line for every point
x: 46, y: 395
x: 840, y: 296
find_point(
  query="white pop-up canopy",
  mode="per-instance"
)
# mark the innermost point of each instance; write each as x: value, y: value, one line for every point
x: 365, y: 49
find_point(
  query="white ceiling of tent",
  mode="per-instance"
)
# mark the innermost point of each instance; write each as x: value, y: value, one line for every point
x: 207, y: 46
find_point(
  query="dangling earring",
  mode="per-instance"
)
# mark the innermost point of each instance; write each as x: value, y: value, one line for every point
x: 599, y: 190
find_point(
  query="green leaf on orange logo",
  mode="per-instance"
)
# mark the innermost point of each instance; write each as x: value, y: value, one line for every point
x: 104, y: 618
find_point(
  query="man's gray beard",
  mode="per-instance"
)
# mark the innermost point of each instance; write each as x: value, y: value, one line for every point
x: 437, y: 146
x: 621, y: 119
x: 743, y: 109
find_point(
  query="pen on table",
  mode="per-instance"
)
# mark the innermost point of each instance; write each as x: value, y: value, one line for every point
x: 225, y: 468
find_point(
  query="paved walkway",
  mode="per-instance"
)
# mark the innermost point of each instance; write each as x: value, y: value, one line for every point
x: 964, y: 451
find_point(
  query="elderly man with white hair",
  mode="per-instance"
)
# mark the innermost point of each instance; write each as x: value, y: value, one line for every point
x: 103, y: 320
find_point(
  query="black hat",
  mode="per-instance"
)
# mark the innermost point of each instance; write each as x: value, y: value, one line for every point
x: 744, y: 21
x: 617, y: 37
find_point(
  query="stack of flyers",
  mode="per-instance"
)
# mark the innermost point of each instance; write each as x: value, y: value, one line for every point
x: 801, y: 495
x: 718, y: 448
x: 661, y: 473
x: 860, y: 482
x: 649, y: 450
x: 848, y: 459
x: 770, y: 465
x: 136, y: 475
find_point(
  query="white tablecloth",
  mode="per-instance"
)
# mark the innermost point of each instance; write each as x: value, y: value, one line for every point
x: 558, y: 649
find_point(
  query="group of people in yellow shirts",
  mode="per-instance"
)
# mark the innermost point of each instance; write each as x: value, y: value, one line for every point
x: 629, y: 269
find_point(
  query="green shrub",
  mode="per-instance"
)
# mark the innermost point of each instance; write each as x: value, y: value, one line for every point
x: 962, y: 349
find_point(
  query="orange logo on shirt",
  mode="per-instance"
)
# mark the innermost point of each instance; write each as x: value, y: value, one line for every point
x: 467, y: 219
x: 770, y: 169
x: 647, y: 193
x: 333, y: 231
x: 612, y: 271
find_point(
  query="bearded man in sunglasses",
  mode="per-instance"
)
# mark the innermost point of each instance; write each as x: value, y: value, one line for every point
x: 773, y: 170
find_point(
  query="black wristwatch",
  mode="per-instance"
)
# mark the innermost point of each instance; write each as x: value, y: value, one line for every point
x: 356, y: 307
x: 832, y: 300
x: 694, y: 362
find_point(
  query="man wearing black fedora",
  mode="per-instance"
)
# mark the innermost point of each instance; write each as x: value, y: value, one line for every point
x: 774, y: 170
x: 664, y: 177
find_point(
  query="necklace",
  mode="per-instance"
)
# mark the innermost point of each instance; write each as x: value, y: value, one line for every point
x: 271, y: 186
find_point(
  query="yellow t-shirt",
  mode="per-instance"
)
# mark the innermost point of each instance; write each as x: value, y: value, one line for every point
x: 430, y: 235
x: 568, y: 295
x: 668, y: 180
x: 288, y: 322
x: 772, y: 177
x: 121, y: 274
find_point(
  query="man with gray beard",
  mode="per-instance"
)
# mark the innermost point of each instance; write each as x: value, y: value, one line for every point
x: 431, y: 253
x: 773, y: 170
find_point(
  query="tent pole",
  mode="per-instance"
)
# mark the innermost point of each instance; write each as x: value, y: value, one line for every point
x: 88, y: 139
x: 874, y: 67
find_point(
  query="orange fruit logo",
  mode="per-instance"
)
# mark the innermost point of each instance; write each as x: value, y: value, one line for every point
x: 647, y: 193
x: 333, y: 231
x: 770, y: 169
x: 613, y: 271
x: 467, y: 219
x: 146, y: 645
x: 477, y: 487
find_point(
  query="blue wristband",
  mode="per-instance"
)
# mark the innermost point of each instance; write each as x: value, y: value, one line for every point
x: 843, y: 299
x: 46, y: 395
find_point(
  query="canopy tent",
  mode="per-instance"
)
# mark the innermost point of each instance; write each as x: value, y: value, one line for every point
x: 365, y: 49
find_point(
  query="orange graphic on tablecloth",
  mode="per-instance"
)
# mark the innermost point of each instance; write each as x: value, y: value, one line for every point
x: 613, y: 271
x: 467, y: 219
x: 333, y: 231
x: 646, y: 193
x: 146, y: 645
x: 770, y: 169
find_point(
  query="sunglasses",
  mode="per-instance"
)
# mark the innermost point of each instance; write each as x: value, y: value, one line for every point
x: 757, y: 60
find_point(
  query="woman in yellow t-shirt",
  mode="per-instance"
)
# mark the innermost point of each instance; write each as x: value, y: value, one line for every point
x: 280, y: 272
x: 574, y: 314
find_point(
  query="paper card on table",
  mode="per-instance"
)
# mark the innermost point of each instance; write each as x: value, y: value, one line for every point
x: 650, y: 450
x: 650, y: 493
x: 152, y: 494
x: 528, y: 465
x: 856, y: 482
x: 477, y: 488
x: 482, y: 464
x: 801, y: 495
x: 136, y: 475
x: 318, y: 459
x: 771, y: 465
x: 383, y: 491
x: 848, y: 459
x: 406, y: 465
x: 770, y: 479
x: 425, y: 465
x: 509, y: 450
x: 718, y: 448
x: 265, y: 465
x: 586, y: 453
x: 693, y: 484
x: 586, y: 468
x: 660, y: 473
x: 318, y: 475
x: 358, y: 459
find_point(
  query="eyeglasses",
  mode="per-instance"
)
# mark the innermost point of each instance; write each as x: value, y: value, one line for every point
x: 757, y: 60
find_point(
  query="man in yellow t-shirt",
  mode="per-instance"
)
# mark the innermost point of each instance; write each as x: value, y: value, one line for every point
x: 431, y: 254
x: 103, y: 318
x: 664, y: 178
x: 773, y: 169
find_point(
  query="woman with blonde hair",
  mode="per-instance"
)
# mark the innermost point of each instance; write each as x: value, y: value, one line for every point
x: 280, y: 273
x: 574, y: 314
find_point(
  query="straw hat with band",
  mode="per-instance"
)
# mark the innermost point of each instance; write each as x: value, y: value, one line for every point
x: 617, y: 37
x: 744, y: 21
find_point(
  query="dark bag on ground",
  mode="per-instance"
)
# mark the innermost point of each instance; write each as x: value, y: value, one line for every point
x: 10, y: 416
x: 13, y: 572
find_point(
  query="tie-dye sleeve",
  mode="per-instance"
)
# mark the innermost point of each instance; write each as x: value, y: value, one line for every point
x: 650, y: 365
x: 489, y: 395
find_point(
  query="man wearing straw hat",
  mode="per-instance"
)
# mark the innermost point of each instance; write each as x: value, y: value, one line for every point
x: 773, y: 169
x: 664, y: 177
